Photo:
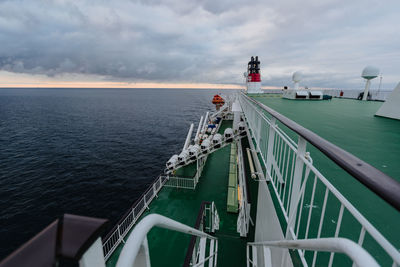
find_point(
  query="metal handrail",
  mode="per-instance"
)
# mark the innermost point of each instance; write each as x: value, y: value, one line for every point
x: 341, y: 245
x: 116, y: 235
x: 377, y: 181
x: 139, y: 233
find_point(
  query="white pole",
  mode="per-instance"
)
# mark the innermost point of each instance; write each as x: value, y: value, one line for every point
x: 196, y: 138
x: 367, y: 85
x: 188, y: 137
x: 205, y: 122
x: 296, y: 86
x: 379, y: 89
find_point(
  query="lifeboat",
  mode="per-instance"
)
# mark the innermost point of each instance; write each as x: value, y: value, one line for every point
x: 194, y: 151
x: 218, y: 100
x: 182, y: 157
x: 205, y: 145
x: 171, y: 163
x: 242, y: 128
x: 228, y: 134
x: 217, y: 140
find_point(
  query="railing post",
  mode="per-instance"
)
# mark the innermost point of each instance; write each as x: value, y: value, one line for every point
x: 258, y: 131
x: 270, y: 148
x: 133, y: 215
x: 155, y: 190
x: 297, y: 175
x: 145, y: 202
x: 119, y: 234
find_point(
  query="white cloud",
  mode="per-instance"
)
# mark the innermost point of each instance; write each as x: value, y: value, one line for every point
x: 201, y: 41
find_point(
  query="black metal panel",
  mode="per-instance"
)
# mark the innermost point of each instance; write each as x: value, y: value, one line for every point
x: 66, y: 238
x: 378, y: 182
x: 78, y: 234
x: 39, y: 251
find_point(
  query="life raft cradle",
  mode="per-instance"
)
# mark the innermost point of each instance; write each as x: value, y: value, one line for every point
x: 210, y: 150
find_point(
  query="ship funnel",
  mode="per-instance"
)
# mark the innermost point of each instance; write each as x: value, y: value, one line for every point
x: 253, y: 76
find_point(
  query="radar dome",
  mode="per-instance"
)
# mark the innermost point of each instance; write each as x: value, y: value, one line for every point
x: 297, y: 76
x: 370, y: 72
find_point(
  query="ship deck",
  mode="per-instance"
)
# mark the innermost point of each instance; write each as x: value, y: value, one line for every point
x: 351, y: 125
x: 183, y: 205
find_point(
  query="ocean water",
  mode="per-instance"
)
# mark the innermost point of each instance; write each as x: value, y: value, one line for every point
x: 88, y: 152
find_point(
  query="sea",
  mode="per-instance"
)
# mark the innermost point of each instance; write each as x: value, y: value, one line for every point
x: 88, y: 152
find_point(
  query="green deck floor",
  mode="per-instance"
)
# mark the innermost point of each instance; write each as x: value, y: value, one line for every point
x: 188, y: 171
x: 168, y: 248
x: 351, y: 125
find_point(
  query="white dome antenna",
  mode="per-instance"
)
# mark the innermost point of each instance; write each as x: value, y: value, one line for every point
x: 296, y: 77
x: 369, y: 73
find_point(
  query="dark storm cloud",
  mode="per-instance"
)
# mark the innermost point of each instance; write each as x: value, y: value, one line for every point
x: 201, y: 41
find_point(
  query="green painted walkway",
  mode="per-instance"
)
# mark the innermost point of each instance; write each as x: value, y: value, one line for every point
x: 168, y: 248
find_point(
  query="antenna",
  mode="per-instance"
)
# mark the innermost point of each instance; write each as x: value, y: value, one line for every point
x: 368, y: 74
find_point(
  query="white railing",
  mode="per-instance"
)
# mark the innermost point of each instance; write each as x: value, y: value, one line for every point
x: 187, y: 182
x: 181, y: 182
x: 311, y: 206
x: 123, y: 228
x: 243, y: 220
x: 358, y: 255
x: 210, y: 223
x: 210, y: 212
x: 201, y: 256
x: 136, y: 247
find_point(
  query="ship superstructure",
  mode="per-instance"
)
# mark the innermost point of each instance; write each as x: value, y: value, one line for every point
x: 250, y: 187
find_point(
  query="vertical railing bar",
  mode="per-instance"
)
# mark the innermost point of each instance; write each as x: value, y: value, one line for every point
x: 360, y: 239
x: 321, y: 222
x: 267, y: 138
x: 311, y: 207
x: 362, y: 234
x: 286, y: 176
x: 275, y: 144
x: 274, y: 156
x: 282, y: 172
x: 291, y: 182
x: 280, y: 157
x: 301, y: 206
x: 339, y: 223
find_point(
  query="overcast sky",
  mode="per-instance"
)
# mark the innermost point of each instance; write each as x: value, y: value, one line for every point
x: 207, y: 41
